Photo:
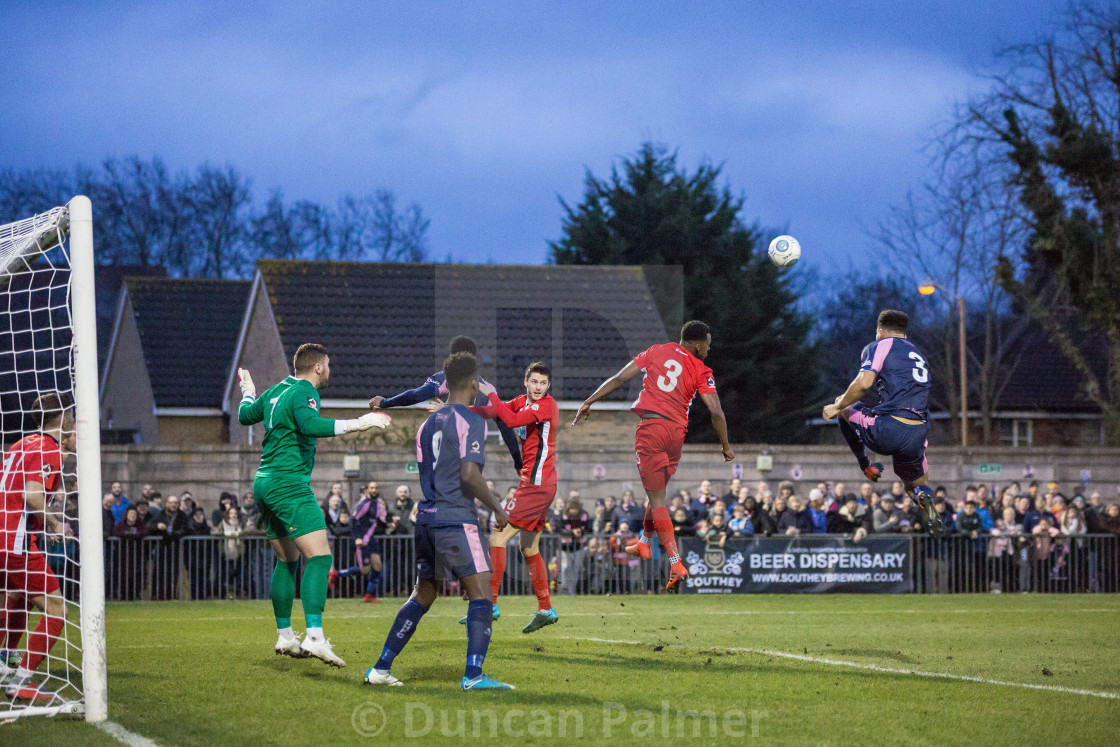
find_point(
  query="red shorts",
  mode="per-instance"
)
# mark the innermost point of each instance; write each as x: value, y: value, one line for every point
x: 528, y: 508
x: 27, y: 573
x: 657, y: 449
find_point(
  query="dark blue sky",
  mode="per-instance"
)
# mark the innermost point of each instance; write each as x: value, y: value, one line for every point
x: 484, y: 115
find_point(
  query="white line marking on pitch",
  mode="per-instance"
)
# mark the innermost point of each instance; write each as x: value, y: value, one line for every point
x: 871, y: 667
x: 123, y: 735
x: 391, y: 612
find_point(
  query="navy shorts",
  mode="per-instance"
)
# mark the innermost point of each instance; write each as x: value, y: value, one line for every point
x: 450, y: 551
x: 363, y: 552
x: 905, y: 444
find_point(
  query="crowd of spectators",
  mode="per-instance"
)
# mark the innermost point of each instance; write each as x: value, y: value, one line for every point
x: 1021, y: 539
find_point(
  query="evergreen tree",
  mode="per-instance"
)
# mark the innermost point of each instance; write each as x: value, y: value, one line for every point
x: 651, y: 212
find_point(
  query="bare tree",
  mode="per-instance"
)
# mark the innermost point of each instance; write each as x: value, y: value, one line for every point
x: 218, y: 202
x: 953, y: 233
x: 273, y: 234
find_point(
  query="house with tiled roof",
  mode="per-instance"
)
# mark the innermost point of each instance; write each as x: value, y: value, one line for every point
x: 387, y: 326
x: 168, y: 360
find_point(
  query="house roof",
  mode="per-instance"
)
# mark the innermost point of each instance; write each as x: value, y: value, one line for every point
x: 107, y: 281
x: 388, y: 324
x: 1046, y: 381
x: 188, y: 331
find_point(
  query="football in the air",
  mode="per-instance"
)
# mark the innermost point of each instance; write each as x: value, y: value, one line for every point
x: 785, y: 251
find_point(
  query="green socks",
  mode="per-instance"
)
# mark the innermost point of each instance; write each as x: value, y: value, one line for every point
x: 283, y: 591
x: 314, y: 589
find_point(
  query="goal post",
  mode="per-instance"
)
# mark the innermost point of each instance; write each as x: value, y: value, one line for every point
x: 87, y: 422
x: 48, y: 335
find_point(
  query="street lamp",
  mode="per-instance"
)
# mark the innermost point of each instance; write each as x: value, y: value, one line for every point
x: 927, y: 288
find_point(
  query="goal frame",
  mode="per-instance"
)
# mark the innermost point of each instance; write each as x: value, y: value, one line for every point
x: 77, y: 222
x: 87, y: 423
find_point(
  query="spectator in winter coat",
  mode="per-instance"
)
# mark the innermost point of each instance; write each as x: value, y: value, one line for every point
x: 172, y: 526
x: 968, y: 521
x: 225, y: 502
x: 795, y: 519
x: 130, y: 553
x: 849, y: 518
x: 682, y: 524
x: 740, y: 524
x: 628, y: 510
x: 818, y: 515
x: 107, y: 522
x: 888, y: 519
x: 573, y: 539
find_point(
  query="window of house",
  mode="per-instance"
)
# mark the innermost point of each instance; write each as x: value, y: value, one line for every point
x: 1016, y: 432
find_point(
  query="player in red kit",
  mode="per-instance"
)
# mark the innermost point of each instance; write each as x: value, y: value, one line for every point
x: 31, y: 471
x: 535, y: 417
x: 674, y: 374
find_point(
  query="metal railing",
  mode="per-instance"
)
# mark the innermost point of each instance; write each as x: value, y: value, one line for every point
x: 215, y: 567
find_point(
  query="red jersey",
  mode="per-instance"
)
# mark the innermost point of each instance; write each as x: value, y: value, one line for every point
x: 36, y: 458
x: 673, y: 376
x: 535, y: 424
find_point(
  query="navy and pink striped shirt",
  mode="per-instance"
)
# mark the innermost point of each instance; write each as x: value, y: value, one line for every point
x: 902, y: 377
x: 450, y: 436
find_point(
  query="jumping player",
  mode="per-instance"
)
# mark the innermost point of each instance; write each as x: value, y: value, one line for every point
x: 436, y: 388
x: 282, y: 489
x: 450, y: 450
x: 674, y: 374
x: 535, y: 415
x: 899, y: 425
x: 32, y: 470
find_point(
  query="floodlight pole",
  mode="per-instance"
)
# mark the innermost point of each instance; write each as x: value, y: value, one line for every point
x: 927, y: 288
x: 964, y: 374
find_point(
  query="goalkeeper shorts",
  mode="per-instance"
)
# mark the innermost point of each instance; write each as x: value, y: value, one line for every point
x: 287, y: 505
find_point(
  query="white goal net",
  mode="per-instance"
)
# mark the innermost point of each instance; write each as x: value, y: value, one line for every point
x: 52, y: 632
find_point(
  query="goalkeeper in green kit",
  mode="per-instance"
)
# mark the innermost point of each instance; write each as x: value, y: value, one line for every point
x: 282, y: 490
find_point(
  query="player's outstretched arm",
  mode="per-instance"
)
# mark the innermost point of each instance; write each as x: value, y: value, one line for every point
x: 251, y: 410
x: 310, y: 423
x: 509, y: 437
x: 629, y: 371
x: 505, y: 413
x: 470, y: 475
x: 426, y: 391
x: 719, y: 422
x: 854, y: 393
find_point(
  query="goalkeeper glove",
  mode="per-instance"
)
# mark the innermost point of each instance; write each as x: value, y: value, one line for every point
x: 246, y: 382
x: 364, y: 423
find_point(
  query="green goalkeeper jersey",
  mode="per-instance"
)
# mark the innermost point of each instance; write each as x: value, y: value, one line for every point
x: 290, y: 413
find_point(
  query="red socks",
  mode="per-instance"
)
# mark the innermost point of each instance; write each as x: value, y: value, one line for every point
x: 648, y: 527
x: 41, y: 640
x: 13, y: 621
x: 538, y: 574
x: 664, y: 526
x: 497, y: 571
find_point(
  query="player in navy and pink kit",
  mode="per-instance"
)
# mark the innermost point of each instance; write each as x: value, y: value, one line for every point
x: 674, y: 374
x: 899, y: 425
x: 30, y: 473
x: 450, y: 451
x: 536, y: 417
x: 436, y: 388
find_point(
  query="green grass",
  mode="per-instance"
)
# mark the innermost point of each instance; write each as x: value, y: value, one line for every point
x: 204, y: 673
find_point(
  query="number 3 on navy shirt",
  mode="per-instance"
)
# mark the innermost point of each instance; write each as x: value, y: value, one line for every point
x: 921, y: 373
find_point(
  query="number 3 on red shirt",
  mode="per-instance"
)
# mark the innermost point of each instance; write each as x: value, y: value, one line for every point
x: 668, y: 382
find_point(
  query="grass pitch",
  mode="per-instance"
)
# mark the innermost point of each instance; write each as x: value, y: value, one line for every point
x: 666, y: 669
